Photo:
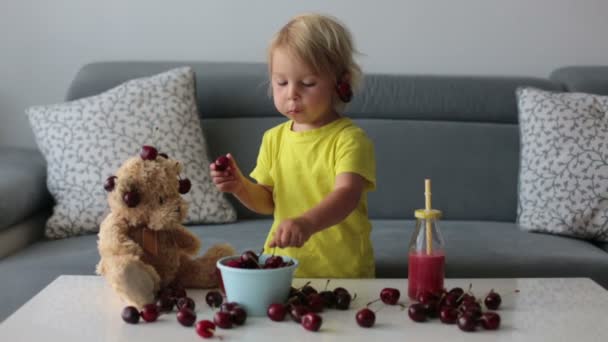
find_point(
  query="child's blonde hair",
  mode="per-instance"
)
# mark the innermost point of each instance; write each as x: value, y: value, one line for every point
x: 323, y: 43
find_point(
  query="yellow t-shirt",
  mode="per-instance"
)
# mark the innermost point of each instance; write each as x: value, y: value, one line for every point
x: 301, y: 167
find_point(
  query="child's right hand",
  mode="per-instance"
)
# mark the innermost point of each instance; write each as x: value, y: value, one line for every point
x: 229, y: 180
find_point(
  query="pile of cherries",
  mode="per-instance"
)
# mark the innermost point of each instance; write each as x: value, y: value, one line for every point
x: 250, y: 260
x: 229, y: 314
x: 457, y: 307
x: 305, y: 303
x: 167, y: 299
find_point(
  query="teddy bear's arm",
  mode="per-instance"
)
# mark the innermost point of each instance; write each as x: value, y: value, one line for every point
x: 186, y: 240
x: 114, y: 239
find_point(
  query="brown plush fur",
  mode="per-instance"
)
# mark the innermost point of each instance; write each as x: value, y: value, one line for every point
x: 135, y: 273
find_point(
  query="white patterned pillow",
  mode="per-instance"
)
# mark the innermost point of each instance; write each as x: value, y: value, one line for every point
x: 86, y: 140
x: 563, y: 178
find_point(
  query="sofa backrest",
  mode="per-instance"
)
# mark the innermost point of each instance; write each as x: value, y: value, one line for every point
x: 459, y: 131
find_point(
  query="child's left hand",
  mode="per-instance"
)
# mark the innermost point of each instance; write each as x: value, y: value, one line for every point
x: 292, y: 233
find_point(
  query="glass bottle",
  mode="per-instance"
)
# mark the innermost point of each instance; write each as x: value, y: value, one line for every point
x: 426, y: 253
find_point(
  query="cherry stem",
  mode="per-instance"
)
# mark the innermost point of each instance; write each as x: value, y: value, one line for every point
x: 372, y: 302
x: 300, y: 288
x: 326, y: 283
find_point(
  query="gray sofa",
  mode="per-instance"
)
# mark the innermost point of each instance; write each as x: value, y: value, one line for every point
x: 460, y: 131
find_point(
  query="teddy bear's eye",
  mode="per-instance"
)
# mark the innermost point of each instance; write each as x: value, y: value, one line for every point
x: 161, y: 200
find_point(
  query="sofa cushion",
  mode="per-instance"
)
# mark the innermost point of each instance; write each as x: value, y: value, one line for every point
x: 22, y: 185
x: 584, y: 79
x: 563, y: 177
x: 85, y: 141
x: 473, y: 249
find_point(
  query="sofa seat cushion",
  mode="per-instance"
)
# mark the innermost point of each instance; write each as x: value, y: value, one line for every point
x: 22, y: 185
x: 484, y: 249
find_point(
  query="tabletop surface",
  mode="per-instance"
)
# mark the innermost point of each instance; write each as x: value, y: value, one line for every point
x: 85, y: 308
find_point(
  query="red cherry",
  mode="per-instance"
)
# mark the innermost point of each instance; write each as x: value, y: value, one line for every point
x: 222, y: 319
x: 131, y: 198
x: 308, y: 290
x: 234, y: 263
x: 344, y: 91
x: 466, y: 322
x: 297, y: 311
x: 311, y: 321
x: 365, y: 318
x: 315, y: 302
x: 222, y: 163
x: 448, y: 315
x: 451, y: 299
x: 490, y: 320
x: 492, y: 300
x: 249, y: 259
x: 227, y: 307
x: 130, y: 315
x: 458, y: 291
x: 274, y: 261
x: 150, y: 313
x: 390, y: 296
x: 276, y: 312
x: 186, y: 317
x: 417, y: 312
x: 338, y: 290
x: 329, y: 299
x: 205, y: 328
x: 184, y: 186
x: 165, y: 303
x: 432, y: 309
x: 185, y: 302
x: 238, y: 315
x: 343, y: 300
x: 148, y: 153
x: 214, y: 299
x: 108, y: 185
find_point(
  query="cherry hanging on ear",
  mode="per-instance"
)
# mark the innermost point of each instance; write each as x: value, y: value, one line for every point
x: 184, y: 186
x: 345, y: 92
x: 108, y: 185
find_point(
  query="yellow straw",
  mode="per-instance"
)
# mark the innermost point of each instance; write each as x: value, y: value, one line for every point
x: 429, y: 232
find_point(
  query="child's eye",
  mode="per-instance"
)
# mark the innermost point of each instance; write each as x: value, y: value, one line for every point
x: 281, y: 83
x: 308, y: 84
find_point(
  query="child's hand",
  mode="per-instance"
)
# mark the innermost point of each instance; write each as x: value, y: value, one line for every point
x: 229, y: 180
x: 292, y: 233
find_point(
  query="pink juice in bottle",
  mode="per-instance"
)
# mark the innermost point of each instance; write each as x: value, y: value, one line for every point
x: 425, y: 272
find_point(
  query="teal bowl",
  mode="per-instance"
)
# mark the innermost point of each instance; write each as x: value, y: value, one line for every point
x: 256, y: 289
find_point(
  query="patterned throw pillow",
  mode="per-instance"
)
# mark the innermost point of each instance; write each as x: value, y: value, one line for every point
x: 563, y: 178
x: 86, y: 140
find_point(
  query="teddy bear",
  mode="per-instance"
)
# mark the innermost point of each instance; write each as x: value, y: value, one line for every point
x: 143, y: 246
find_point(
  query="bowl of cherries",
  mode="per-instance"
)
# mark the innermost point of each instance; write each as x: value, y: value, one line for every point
x: 256, y: 281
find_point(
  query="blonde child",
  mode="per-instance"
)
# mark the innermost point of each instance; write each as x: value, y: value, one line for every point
x: 313, y: 171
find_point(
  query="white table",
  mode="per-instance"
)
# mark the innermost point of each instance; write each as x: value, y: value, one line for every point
x: 84, y: 308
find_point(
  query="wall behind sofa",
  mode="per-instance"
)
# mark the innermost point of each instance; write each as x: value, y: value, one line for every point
x: 43, y: 43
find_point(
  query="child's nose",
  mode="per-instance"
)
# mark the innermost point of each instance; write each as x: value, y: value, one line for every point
x: 292, y: 91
